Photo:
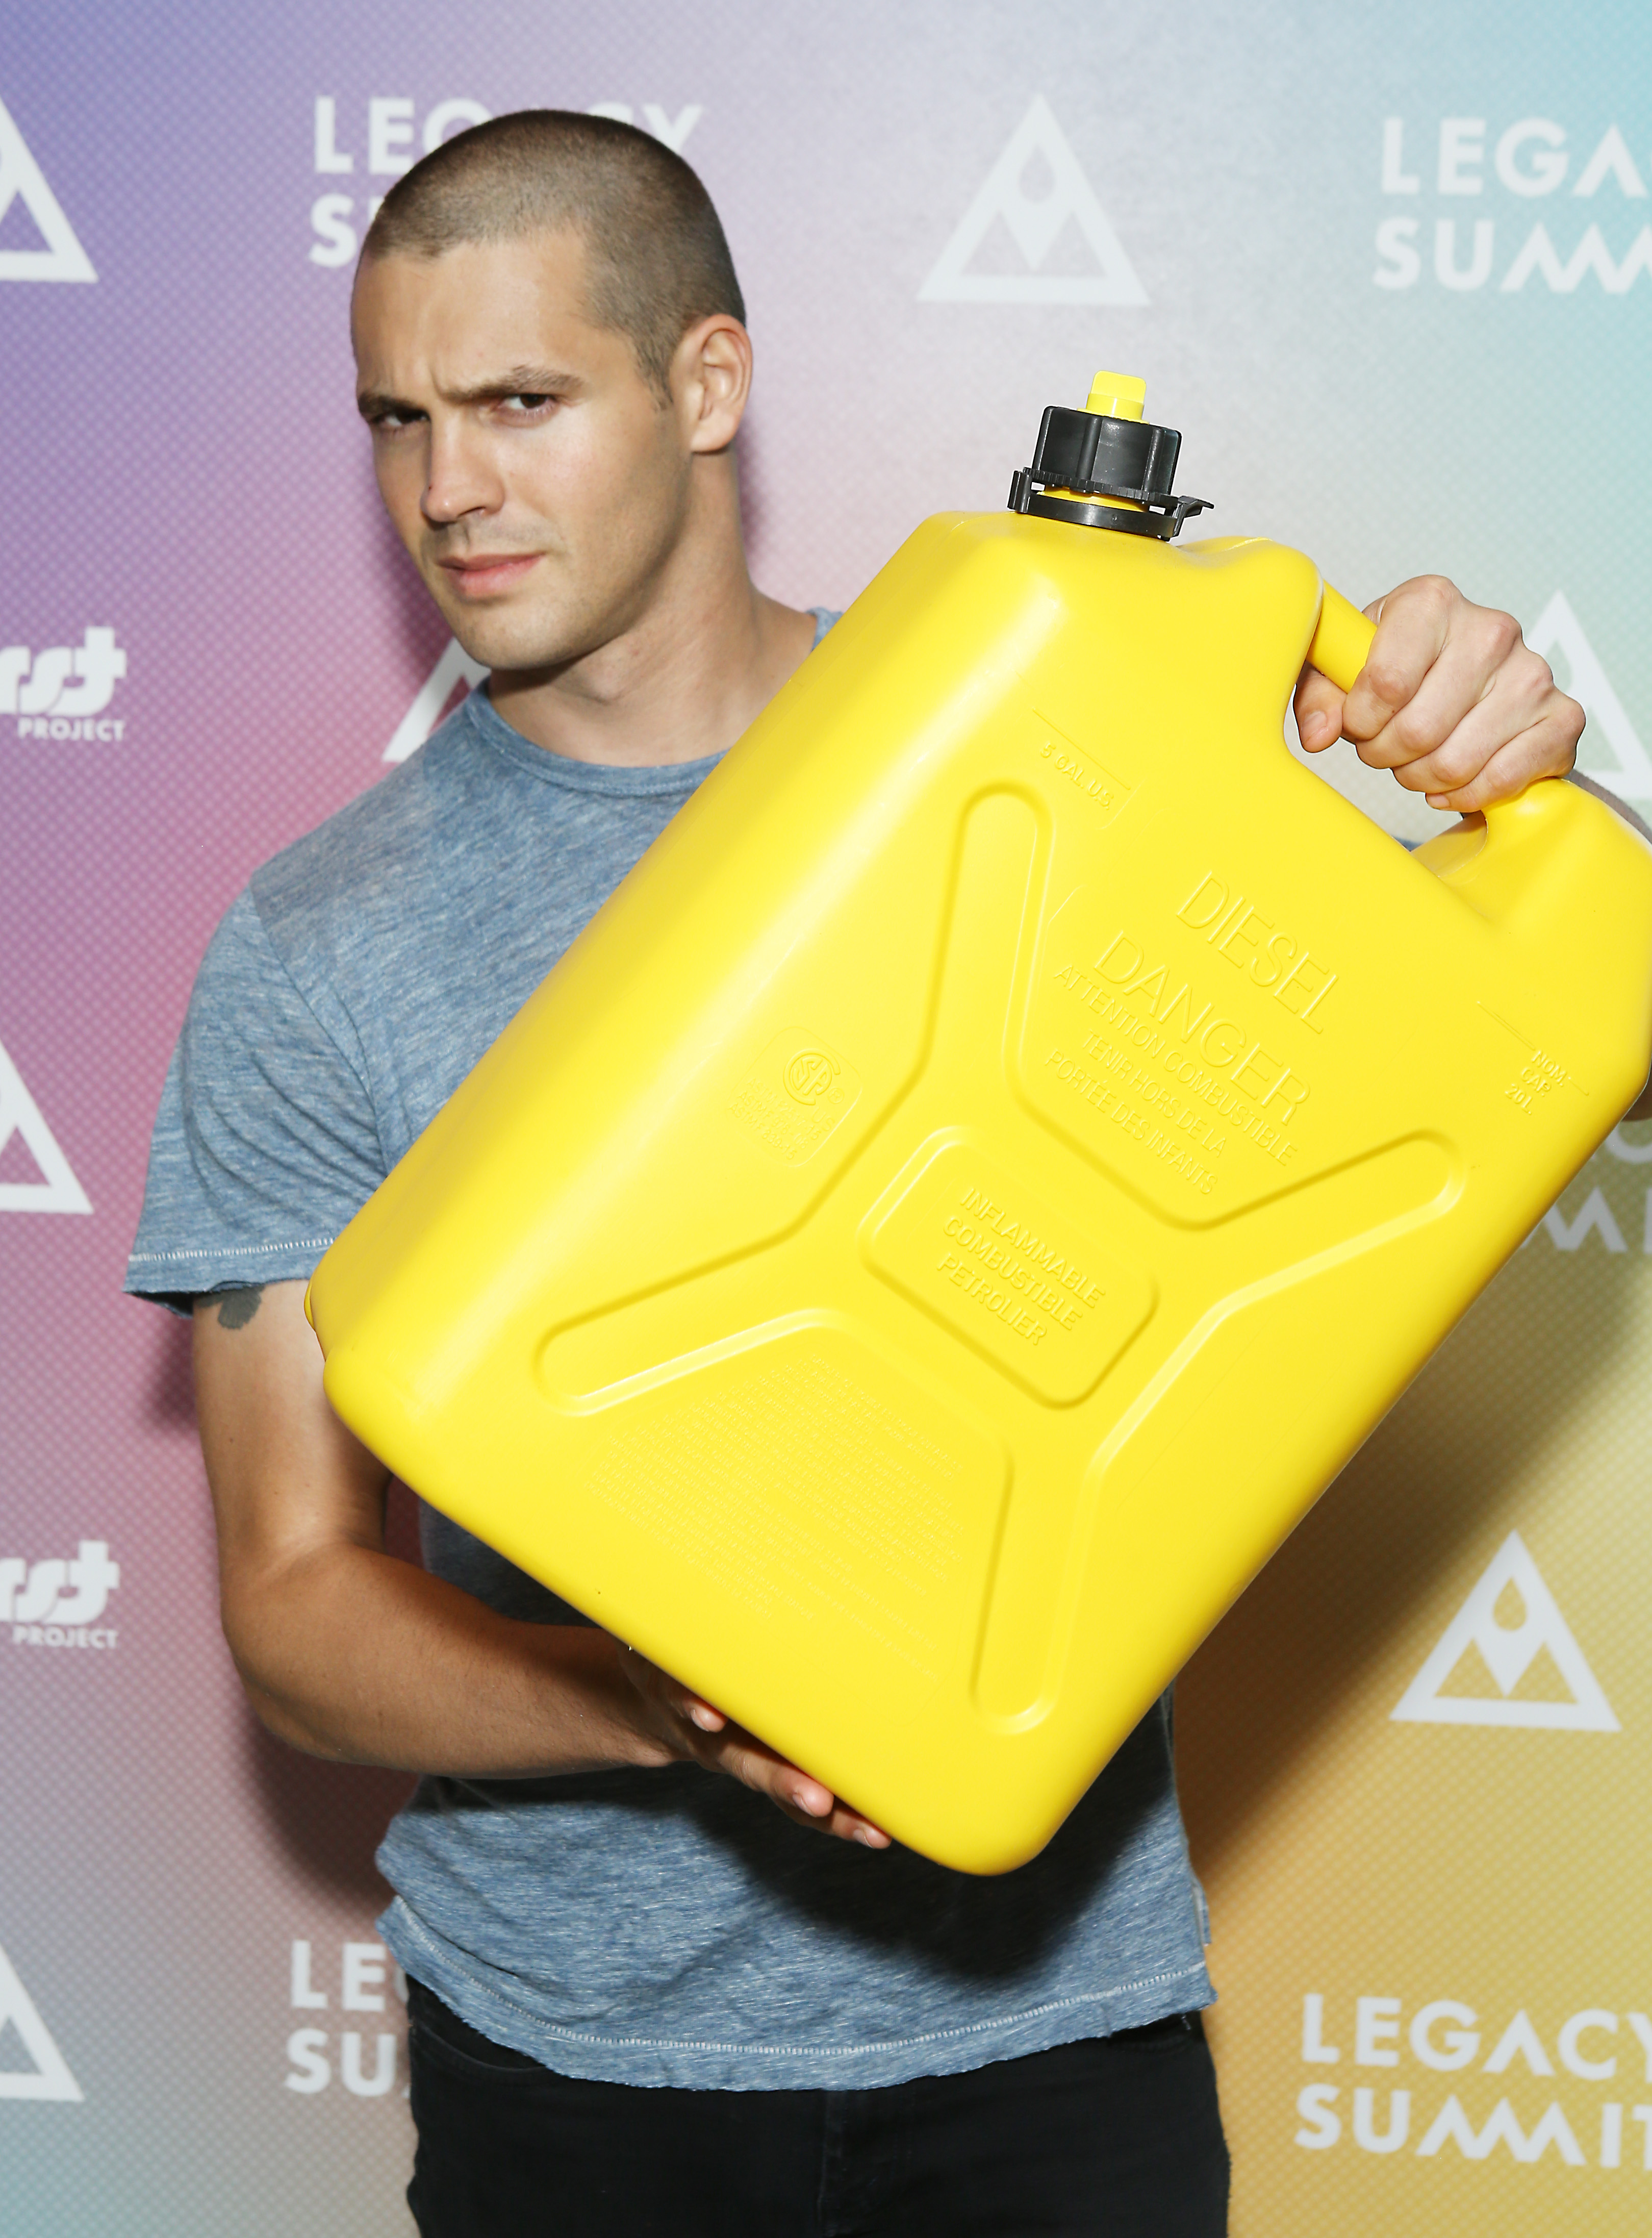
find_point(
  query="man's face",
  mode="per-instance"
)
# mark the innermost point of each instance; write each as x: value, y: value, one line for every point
x: 528, y: 466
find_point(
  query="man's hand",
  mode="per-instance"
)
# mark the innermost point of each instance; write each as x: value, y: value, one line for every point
x: 347, y: 1652
x: 1450, y: 698
x: 692, y: 1731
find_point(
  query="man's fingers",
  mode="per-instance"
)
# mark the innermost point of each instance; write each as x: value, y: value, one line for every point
x: 1439, y: 760
x: 660, y: 1687
x: 1450, y: 700
x: 851, y: 1827
x: 1474, y: 672
x: 1545, y: 751
x: 1521, y: 729
x: 1489, y: 765
x: 1414, y: 623
x: 758, y: 1766
x: 699, y: 1732
x: 846, y: 1824
x: 804, y: 1798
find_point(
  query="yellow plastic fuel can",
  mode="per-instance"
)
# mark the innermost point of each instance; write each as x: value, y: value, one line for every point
x: 1003, y: 1148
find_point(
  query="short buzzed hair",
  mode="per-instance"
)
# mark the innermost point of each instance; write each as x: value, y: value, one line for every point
x: 657, y: 258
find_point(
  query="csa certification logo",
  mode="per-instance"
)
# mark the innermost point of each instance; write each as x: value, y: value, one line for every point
x: 22, y: 180
x: 809, y: 1075
x: 48, y: 2078
x: 797, y: 1094
x: 1509, y: 1633
x: 1035, y: 223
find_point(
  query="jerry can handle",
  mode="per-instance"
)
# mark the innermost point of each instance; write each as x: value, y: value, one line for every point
x: 1341, y: 640
x: 1337, y: 649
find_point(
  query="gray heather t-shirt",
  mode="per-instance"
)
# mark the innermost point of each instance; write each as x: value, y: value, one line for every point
x: 661, y: 1927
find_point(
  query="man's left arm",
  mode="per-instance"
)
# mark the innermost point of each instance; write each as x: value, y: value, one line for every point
x: 1453, y: 700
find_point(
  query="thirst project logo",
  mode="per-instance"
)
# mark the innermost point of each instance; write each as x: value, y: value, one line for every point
x: 62, y: 691
x: 59, y: 1603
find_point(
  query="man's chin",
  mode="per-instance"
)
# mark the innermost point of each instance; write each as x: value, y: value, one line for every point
x: 498, y: 641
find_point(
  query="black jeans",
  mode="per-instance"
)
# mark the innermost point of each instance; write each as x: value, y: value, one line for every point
x: 1118, y: 2137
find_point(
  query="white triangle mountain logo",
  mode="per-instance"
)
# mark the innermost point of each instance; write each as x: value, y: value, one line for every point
x: 1557, y: 631
x: 1034, y: 225
x: 1506, y: 1653
x: 62, y: 257
x: 56, y: 1190
x: 455, y: 667
x: 50, y: 2076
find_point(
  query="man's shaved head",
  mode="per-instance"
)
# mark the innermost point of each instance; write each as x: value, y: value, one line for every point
x: 655, y: 259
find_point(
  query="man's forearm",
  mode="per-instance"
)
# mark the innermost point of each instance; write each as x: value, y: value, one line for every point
x: 347, y: 1652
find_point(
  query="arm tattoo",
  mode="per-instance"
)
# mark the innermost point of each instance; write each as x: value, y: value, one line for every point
x: 236, y: 1308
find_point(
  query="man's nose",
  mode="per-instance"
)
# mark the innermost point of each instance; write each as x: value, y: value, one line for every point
x: 461, y: 479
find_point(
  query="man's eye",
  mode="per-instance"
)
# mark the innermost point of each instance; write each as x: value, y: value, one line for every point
x: 524, y: 407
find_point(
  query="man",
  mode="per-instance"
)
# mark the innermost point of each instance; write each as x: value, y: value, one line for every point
x: 657, y: 1982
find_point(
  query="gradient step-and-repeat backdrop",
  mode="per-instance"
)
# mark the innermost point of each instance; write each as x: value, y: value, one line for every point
x: 1390, y: 268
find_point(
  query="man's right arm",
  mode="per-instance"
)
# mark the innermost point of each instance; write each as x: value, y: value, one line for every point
x: 347, y: 1652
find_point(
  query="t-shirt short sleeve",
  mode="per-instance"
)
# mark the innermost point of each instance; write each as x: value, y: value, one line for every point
x: 265, y: 1144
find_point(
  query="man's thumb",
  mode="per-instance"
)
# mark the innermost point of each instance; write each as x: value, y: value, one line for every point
x: 1318, y: 711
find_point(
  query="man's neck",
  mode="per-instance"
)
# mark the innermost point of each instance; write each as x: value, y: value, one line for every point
x: 696, y: 667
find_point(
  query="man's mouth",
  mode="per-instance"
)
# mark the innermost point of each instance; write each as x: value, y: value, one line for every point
x: 484, y: 574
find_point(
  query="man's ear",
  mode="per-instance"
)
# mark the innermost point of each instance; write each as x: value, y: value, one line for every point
x: 710, y: 381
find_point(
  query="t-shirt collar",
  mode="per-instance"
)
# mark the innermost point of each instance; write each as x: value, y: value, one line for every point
x: 491, y: 731
x: 489, y: 728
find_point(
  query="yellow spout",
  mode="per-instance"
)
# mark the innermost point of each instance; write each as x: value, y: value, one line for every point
x: 1117, y: 396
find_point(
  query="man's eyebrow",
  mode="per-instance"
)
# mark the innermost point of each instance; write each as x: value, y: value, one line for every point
x: 520, y: 380
x: 517, y: 381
